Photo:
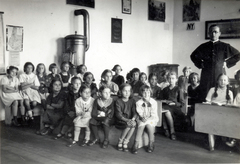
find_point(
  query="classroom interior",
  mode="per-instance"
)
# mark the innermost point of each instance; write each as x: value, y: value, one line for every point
x: 144, y: 42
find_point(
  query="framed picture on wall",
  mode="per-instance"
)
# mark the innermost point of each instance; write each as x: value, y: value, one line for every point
x: 230, y: 28
x: 14, y: 38
x: 126, y: 6
x: 191, y: 10
x: 87, y: 3
x: 156, y: 10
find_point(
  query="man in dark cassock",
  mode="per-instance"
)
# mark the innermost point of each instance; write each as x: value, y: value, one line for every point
x: 210, y: 57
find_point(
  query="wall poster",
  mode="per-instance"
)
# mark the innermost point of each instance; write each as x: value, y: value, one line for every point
x: 191, y: 10
x: 116, y: 30
x: 14, y: 39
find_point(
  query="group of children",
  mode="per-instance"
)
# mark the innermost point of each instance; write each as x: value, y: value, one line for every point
x: 74, y: 102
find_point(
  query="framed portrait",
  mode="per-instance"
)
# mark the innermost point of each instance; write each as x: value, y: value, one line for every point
x: 156, y: 10
x: 14, y: 38
x: 126, y: 6
x: 87, y: 3
x: 230, y: 28
x: 191, y: 10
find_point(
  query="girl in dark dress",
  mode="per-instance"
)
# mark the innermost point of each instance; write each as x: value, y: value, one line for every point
x: 102, y: 115
x: 65, y: 76
x: 69, y: 108
x: 193, y: 92
x: 54, y: 107
x: 89, y: 79
x: 117, y: 78
x: 125, y: 112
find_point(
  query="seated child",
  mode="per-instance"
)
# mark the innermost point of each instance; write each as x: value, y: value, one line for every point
x: 193, y: 92
x: 83, y: 107
x: 125, y: 112
x: 54, y: 107
x: 65, y: 76
x: 102, y: 115
x: 165, y: 82
x: 143, y: 78
x: 146, y: 109
x: 219, y: 95
x: 30, y: 85
x: 11, y: 95
x: 81, y: 70
x: 53, y: 75
x: 236, y: 87
x: 42, y: 77
x: 172, y: 103
x: 69, y: 108
x: 89, y: 79
x: 117, y: 78
x: 136, y: 83
x: 183, y: 80
x: 153, y: 84
x: 106, y: 80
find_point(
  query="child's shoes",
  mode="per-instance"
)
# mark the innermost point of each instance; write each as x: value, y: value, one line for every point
x: 150, y: 147
x: 73, y: 143
x: 85, y: 142
x: 45, y: 131
x: 15, y: 122
x: 105, y: 144
x: 135, y: 148
x: 120, y: 146
x: 125, y: 148
x: 173, y: 136
x: 166, y: 132
x: 231, y: 143
x: 58, y: 136
x: 93, y: 142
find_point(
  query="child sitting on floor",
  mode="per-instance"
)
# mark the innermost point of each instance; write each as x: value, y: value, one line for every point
x: 69, y: 108
x: 11, y: 95
x: 146, y: 109
x: 125, y: 112
x: 83, y: 106
x: 30, y: 85
x: 102, y: 115
x: 106, y: 80
x: 54, y: 107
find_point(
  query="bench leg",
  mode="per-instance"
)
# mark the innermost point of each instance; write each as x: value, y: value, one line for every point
x: 211, y: 142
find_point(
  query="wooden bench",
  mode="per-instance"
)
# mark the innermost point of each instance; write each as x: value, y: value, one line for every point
x: 37, y: 111
x: 217, y: 120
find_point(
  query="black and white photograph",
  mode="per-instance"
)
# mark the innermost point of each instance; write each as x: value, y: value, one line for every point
x: 156, y: 10
x: 191, y: 10
x: 119, y: 81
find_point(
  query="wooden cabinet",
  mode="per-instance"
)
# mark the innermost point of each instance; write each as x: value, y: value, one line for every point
x: 161, y: 67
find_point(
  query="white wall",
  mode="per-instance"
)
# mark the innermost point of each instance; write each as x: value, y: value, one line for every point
x: 185, y: 42
x: 47, y: 22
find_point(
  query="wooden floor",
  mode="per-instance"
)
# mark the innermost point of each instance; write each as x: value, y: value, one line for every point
x: 21, y: 145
